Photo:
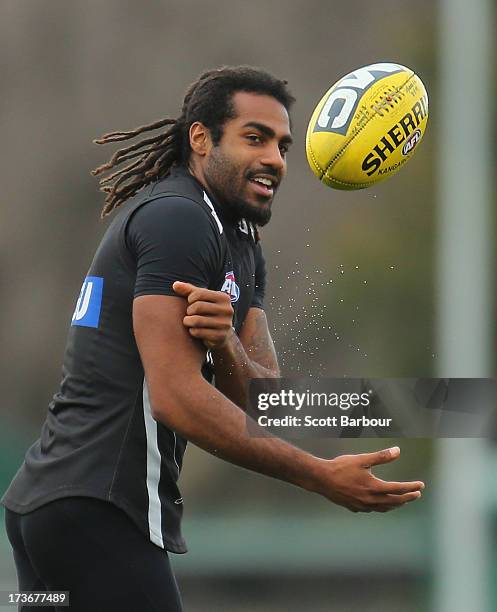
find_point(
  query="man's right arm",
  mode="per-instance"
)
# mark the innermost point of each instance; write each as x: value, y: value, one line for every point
x: 185, y: 402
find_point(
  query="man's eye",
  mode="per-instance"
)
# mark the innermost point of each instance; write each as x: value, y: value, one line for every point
x: 284, y: 149
x: 254, y: 138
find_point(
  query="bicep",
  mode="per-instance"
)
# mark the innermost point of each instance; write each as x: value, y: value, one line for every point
x: 257, y: 342
x: 171, y: 358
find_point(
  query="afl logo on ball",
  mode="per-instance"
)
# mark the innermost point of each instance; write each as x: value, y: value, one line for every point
x: 230, y: 287
x: 411, y: 142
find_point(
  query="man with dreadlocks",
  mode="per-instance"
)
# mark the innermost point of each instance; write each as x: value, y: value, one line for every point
x: 179, y: 270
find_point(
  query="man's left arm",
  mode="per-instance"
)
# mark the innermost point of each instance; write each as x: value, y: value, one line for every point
x: 237, y: 359
x: 252, y: 354
x: 240, y: 359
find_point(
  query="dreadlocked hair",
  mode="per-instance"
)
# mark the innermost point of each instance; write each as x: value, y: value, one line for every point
x: 207, y: 100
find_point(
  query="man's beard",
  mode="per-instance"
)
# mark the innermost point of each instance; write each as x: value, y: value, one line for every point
x: 223, y: 176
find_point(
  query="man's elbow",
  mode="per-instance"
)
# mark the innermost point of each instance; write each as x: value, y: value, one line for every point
x: 171, y: 403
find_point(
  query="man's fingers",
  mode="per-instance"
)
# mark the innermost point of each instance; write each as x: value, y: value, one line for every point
x: 395, y: 500
x: 200, y: 322
x: 356, y: 488
x: 194, y: 294
x: 409, y: 497
x: 202, y: 308
x: 382, y: 503
x: 210, y: 308
x: 208, y: 295
x: 209, y: 314
x: 397, y: 488
x: 379, y: 457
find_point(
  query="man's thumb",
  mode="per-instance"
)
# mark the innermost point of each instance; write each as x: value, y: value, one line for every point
x: 380, y: 457
x: 183, y: 289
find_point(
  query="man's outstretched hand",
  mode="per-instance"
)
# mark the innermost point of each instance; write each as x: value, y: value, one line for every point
x: 209, y: 314
x: 347, y: 481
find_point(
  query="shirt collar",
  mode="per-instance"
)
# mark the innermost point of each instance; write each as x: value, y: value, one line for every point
x: 243, y: 227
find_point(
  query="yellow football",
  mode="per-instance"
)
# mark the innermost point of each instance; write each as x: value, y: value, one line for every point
x: 367, y: 126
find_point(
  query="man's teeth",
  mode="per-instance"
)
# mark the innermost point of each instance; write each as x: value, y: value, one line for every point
x: 264, y: 181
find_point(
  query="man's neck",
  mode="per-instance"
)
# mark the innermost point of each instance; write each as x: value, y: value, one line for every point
x: 225, y: 211
x: 197, y: 172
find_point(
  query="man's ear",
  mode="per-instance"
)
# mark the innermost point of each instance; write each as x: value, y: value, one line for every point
x: 200, y: 138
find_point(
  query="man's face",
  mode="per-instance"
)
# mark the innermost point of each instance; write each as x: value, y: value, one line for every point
x: 245, y: 169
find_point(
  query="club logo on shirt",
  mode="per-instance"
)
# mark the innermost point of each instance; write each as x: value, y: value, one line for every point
x: 230, y: 287
x: 87, y: 311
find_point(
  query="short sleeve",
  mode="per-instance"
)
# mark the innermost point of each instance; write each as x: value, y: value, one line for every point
x: 260, y: 278
x: 171, y: 239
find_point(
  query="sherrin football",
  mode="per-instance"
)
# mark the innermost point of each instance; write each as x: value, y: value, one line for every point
x: 367, y: 126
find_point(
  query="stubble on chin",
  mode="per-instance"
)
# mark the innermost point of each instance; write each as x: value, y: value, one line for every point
x: 236, y: 207
x: 241, y: 209
x: 222, y: 176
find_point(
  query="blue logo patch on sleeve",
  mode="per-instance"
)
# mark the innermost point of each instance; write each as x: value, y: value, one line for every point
x: 89, y: 304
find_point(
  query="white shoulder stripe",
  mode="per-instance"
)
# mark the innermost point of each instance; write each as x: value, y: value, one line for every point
x: 153, y: 472
x: 213, y: 212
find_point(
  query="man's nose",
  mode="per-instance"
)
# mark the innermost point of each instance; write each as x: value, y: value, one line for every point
x: 273, y: 157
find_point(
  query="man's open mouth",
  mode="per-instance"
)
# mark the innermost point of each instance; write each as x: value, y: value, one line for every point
x: 264, y: 185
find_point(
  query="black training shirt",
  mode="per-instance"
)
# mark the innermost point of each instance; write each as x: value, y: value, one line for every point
x: 99, y: 438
